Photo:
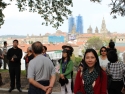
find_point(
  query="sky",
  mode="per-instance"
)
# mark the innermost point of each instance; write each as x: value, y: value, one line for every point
x: 23, y: 23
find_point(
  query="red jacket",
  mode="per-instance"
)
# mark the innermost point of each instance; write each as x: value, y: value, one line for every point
x: 100, y: 84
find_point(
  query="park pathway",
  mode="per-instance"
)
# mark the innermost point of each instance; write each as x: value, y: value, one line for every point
x: 5, y: 91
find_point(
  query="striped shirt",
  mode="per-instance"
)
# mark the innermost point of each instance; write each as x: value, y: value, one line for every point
x: 117, y: 70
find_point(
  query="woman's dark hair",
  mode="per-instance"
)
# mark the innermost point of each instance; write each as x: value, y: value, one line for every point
x: 97, y: 65
x: 68, y: 55
x: 102, y: 48
x: 5, y: 43
x: 112, y: 56
x: 45, y: 48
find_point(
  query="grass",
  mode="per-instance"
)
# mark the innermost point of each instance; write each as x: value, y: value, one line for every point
x: 2, y: 70
x: 23, y: 72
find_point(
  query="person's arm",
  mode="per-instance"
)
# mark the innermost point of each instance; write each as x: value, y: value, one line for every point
x: 52, y: 80
x: 53, y: 77
x: 19, y: 55
x: 104, y: 83
x: 35, y: 83
x: 9, y: 56
x: 38, y: 85
x: 69, y: 68
x: 77, y: 85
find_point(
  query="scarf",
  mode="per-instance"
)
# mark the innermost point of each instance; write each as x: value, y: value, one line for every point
x: 89, y: 78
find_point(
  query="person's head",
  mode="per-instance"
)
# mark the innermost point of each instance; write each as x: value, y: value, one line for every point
x: 44, y: 49
x: 91, y: 60
x: 68, y: 47
x: 66, y: 54
x: 5, y: 43
x: 37, y: 47
x: 15, y: 43
x: 103, y: 51
x: 112, y: 56
x: 29, y: 50
x: 111, y: 44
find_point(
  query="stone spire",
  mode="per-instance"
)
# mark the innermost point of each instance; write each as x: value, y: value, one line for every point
x: 96, y: 30
x: 89, y: 30
x: 103, y: 27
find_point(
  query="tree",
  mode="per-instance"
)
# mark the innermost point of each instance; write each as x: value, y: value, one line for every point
x: 77, y: 61
x: 94, y: 42
x: 55, y: 11
x: 117, y: 7
x: 52, y: 11
x: 31, y: 42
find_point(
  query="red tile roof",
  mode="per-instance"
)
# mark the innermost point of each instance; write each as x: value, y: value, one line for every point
x: 120, y: 48
x: 24, y: 47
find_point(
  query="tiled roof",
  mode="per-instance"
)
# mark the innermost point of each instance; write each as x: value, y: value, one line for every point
x: 24, y: 47
x: 120, y: 48
x: 54, y: 47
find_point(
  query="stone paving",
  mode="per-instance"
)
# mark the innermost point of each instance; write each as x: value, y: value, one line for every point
x: 5, y: 91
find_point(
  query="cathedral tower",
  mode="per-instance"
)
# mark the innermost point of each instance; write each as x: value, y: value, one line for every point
x: 103, y: 27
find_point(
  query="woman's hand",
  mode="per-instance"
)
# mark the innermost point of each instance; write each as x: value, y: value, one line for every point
x: 62, y: 76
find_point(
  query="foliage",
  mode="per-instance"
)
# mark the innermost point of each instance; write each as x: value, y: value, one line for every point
x: 52, y: 11
x: 94, y: 42
x: 105, y: 42
x: 2, y: 7
x: 117, y: 7
x: 55, y: 11
x: 83, y: 51
x: 77, y: 61
x: 73, y: 57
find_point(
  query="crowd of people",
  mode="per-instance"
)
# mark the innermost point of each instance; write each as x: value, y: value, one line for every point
x: 103, y: 74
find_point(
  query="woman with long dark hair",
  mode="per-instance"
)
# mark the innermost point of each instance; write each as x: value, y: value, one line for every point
x: 103, y: 60
x: 92, y: 80
x: 66, y: 68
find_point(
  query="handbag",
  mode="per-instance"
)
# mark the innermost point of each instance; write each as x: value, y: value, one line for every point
x: 109, y: 77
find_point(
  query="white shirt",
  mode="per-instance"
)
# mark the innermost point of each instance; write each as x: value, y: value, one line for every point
x: 103, y: 63
x: 5, y: 50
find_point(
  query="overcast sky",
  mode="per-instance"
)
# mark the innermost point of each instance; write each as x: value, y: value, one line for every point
x: 23, y: 23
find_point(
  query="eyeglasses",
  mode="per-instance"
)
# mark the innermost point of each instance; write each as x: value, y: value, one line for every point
x: 103, y: 50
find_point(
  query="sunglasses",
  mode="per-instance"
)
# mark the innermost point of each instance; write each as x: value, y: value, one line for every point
x: 103, y: 50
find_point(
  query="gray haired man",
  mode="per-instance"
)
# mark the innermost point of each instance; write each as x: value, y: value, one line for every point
x: 41, y: 72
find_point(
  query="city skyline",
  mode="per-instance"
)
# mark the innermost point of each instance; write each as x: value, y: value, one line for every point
x: 79, y: 24
x: 23, y: 23
x: 71, y: 23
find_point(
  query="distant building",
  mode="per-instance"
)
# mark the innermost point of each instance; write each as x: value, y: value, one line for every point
x: 73, y: 34
x: 79, y: 24
x: 71, y: 23
x: 55, y: 39
x: 89, y: 30
x: 103, y: 27
x: 120, y: 40
x: 96, y: 30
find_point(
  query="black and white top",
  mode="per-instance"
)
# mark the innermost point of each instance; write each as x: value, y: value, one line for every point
x: 117, y: 70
